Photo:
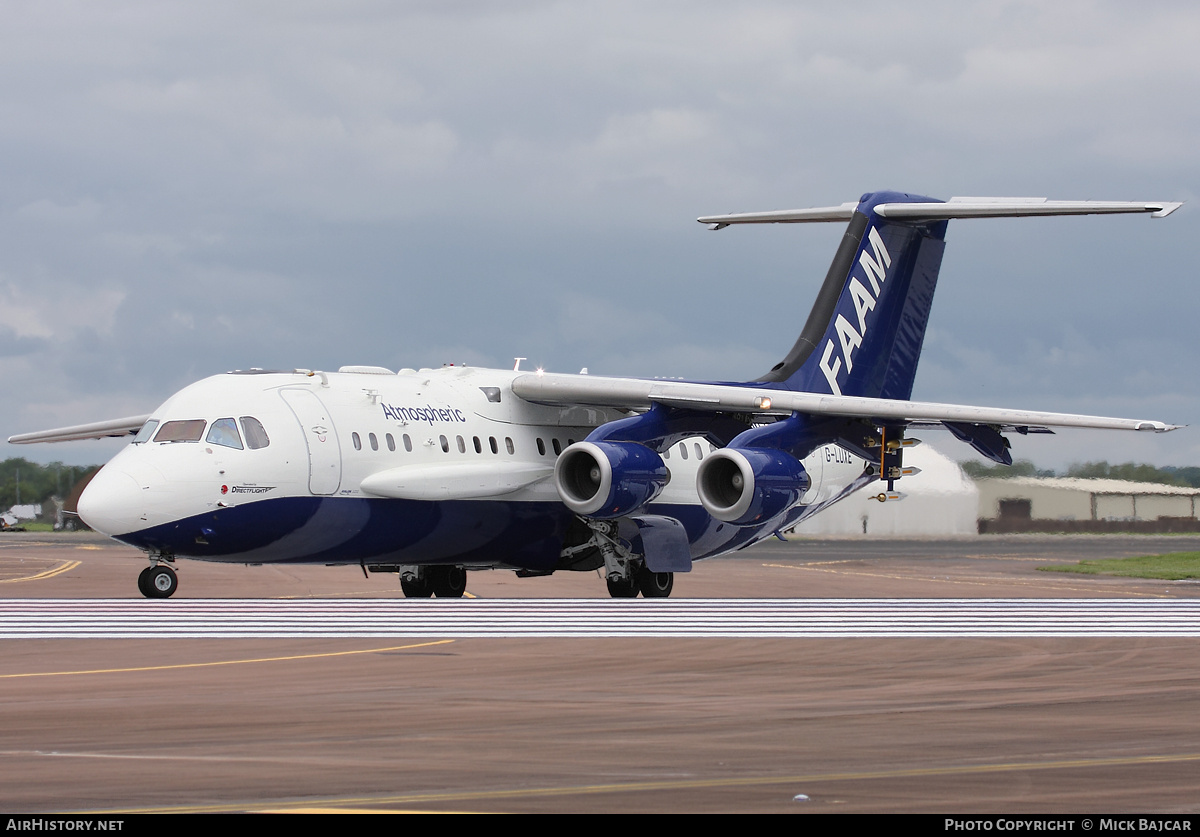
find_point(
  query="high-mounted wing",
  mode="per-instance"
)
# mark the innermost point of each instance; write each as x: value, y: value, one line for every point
x: 96, y: 430
x: 641, y: 394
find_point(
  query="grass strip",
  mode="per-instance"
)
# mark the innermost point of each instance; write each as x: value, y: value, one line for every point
x: 1172, y: 566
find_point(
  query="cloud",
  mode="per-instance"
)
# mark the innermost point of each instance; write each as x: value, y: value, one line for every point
x: 193, y: 189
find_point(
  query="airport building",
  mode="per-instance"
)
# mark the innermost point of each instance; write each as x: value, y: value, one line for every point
x: 1028, y: 504
x: 941, y: 500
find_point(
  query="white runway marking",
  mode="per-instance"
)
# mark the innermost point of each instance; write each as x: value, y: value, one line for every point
x: 784, y: 618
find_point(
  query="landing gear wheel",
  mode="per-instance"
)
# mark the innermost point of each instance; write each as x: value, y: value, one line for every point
x: 161, y: 582
x: 447, y: 582
x: 418, y: 588
x: 622, y: 588
x: 655, y: 585
x: 144, y: 582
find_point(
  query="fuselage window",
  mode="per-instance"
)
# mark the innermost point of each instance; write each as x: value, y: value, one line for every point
x: 492, y: 442
x: 356, y: 440
x: 462, y: 446
x: 391, y: 441
x: 508, y: 443
x: 478, y: 446
x: 374, y: 441
x: 445, y: 444
x: 224, y: 432
x: 189, y: 430
x: 667, y: 453
x: 683, y: 449
x: 699, y: 454
x: 407, y: 443
x: 541, y: 447
x: 492, y: 394
x: 256, y: 434
x: 557, y: 446
x: 146, y: 432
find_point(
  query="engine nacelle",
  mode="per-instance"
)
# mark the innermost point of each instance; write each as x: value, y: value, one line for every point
x: 609, y: 479
x: 749, y: 485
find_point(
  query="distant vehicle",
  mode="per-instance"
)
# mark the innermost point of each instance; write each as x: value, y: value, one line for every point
x: 431, y: 473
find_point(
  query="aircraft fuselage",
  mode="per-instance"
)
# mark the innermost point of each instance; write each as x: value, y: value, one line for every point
x: 369, y: 467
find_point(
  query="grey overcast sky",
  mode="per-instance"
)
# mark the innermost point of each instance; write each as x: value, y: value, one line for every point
x: 196, y: 187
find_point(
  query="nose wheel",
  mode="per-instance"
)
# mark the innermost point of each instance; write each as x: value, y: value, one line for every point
x: 158, y: 582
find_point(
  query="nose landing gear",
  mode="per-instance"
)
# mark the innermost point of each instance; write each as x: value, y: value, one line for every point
x: 158, y: 581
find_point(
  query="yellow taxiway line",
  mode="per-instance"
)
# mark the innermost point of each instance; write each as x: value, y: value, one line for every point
x: 225, y: 662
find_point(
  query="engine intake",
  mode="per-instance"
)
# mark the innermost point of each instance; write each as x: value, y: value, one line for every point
x: 609, y: 479
x: 749, y: 485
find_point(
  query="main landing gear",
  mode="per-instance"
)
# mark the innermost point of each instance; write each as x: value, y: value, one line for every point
x: 440, y: 581
x: 626, y: 573
x: 651, y: 585
x: 158, y: 581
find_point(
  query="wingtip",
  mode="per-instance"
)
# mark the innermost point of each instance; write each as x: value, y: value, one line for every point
x: 1158, y: 426
x: 1166, y: 208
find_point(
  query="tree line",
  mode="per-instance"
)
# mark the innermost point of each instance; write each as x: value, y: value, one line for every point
x: 1134, y: 472
x: 25, y: 482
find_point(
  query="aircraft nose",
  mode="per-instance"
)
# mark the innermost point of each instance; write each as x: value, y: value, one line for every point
x: 112, y: 503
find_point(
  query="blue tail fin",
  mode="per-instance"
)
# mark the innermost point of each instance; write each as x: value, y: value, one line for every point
x: 864, y: 334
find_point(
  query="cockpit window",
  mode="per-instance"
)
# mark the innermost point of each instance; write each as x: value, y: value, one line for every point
x: 146, y: 432
x: 188, y: 430
x: 224, y: 432
x: 256, y: 434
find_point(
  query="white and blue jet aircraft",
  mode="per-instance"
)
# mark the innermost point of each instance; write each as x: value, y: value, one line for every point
x: 430, y: 473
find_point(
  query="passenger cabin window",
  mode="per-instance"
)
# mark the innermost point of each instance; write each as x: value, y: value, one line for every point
x: 256, y: 434
x: 541, y: 447
x: 391, y: 442
x: 445, y: 444
x: 354, y: 437
x: 508, y: 444
x: 407, y: 443
x: 374, y: 441
x: 224, y: 432
x: 699, y: 453
x: 492, y: 441
x: 146, y: 432
x: 683, y: 449
x: 478, y: 445
x: 189, y: 430
x: 462, y: 446
x: 557, y: 446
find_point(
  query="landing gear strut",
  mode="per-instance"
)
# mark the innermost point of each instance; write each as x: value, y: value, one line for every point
x: 625, y: 572
x: 158, y: 582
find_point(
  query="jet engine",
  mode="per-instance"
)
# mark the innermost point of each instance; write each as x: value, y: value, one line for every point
x: 743, y: 486
x: 609, y: 479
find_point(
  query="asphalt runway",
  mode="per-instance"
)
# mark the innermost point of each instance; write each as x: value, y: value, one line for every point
x: 998, y: 724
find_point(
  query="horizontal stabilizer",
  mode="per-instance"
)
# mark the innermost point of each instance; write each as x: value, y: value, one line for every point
x: 953, y: 208
x: 96, y: 430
